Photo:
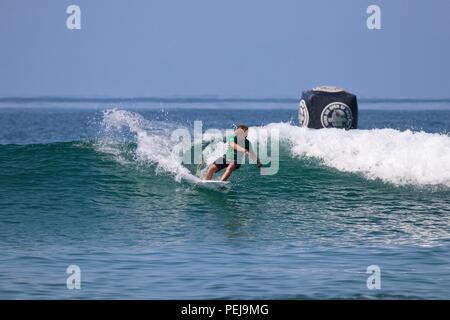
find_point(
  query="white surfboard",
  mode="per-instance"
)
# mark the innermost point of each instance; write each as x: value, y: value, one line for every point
x: 216, y: 185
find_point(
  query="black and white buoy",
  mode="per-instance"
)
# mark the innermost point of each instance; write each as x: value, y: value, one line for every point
x: 328, y: 107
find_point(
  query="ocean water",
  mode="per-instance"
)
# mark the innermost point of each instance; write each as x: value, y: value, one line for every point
x: 99, y: 185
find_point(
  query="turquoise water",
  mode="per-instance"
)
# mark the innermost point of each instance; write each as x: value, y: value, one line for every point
x: 81, y: 185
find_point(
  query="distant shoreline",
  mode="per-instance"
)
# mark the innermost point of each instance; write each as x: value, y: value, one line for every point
x: 188, y: 100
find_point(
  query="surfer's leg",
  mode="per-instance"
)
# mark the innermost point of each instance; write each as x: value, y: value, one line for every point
x: 216, y: 166
x: 210, y: 172
x: 231, y: 167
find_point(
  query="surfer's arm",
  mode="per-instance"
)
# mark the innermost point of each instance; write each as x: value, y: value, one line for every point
x: 253, y: 156
x: 248, y: 151
x: 237, y: 147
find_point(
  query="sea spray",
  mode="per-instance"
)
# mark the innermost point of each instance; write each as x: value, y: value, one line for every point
x: 393, y: 156
x: 152, y: 139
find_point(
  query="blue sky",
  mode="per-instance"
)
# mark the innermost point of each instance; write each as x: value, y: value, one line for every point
x: 232, y: 48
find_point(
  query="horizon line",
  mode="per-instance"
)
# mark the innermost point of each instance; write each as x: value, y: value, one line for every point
x: 203, y: 99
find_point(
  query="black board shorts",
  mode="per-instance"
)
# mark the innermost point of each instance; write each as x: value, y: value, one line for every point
x: 222, y: 163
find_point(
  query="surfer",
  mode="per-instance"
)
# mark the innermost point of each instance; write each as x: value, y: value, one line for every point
x: 237, y: 147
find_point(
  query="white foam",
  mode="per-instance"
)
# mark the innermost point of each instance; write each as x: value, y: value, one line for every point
x: 215, y: 148
x: 153, y: 141
x: 398, y: 157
